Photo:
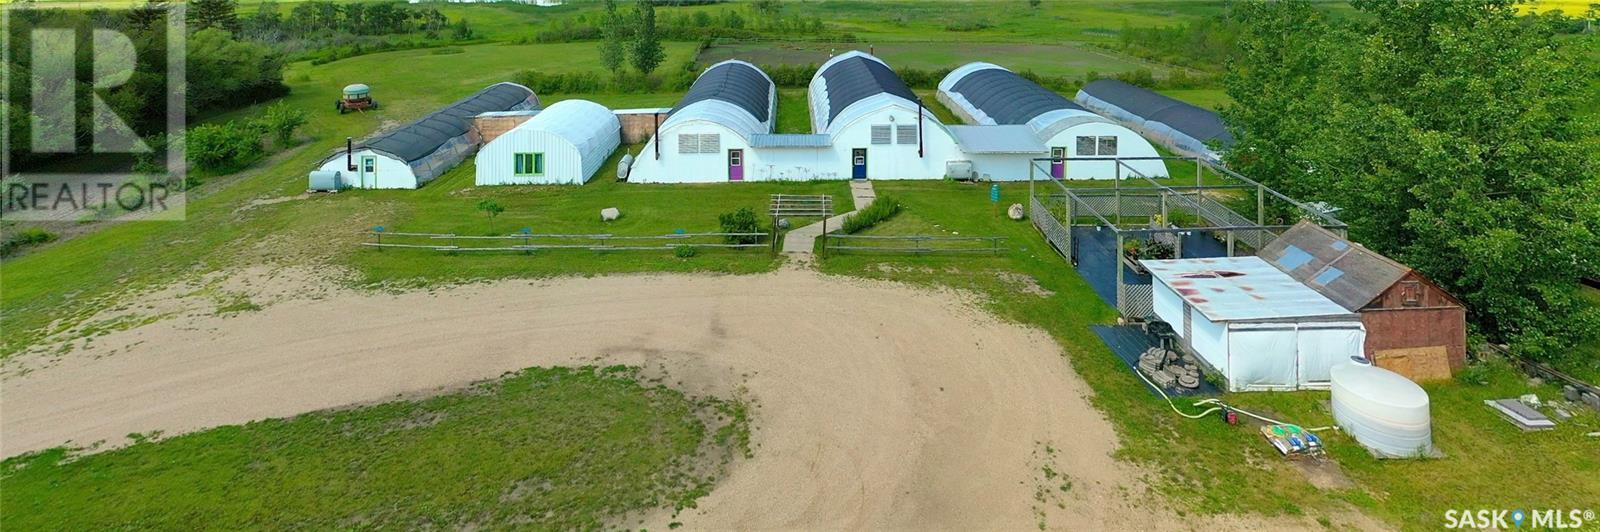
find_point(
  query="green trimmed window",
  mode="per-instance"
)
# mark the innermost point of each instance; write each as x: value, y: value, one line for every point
x: 528, y: 163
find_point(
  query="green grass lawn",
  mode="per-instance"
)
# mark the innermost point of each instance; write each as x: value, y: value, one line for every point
x: 1206, y: 466
x: 1212, y: 99
x: 57, y: 287
x: 541, y: 448
x: 448, y: 205
x: 794, y: 112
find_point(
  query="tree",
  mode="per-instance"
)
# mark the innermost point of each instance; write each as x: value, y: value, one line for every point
x: 492, y: 209
x: 1447, y: 133
x: 647, y: 51
x: 221, y: 14
x: 613, y: 51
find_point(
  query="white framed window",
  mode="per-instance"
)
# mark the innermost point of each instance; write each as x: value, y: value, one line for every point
x: 527, y: 163
x: 1086, y: 145
x: 1106, y: 145
x: 904, y: 134
x: 692, y: 143
x: 882, y: 134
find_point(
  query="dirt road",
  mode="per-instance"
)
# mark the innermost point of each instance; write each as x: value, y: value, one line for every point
x: 876, y: 405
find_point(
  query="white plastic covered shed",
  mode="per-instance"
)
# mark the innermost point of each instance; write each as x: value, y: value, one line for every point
x: 565, y: 144
x: 1253, y: 324
x: 416, y: 153
x: 992, y: 97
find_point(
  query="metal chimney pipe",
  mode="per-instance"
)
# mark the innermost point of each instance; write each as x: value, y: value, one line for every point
x: 919, y: 128
x: 349, y: 157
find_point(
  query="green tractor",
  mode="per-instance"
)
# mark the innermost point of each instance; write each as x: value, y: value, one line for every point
x: 357, y: 97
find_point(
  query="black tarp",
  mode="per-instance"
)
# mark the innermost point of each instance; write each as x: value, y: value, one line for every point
x: 736, y: 83
x: 1009, y: 99
x: 1201, y: 124
x: 416, y: 140
x: 856, y: 78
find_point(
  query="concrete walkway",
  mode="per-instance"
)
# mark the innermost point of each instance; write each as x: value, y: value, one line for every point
x: 800, y: 241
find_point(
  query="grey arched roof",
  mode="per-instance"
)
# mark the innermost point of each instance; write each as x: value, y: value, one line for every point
x: 855, y: 77
x: 1009, y: 98
x: 418, y: 139
x: 735, y: 82
x: 1188, y: 119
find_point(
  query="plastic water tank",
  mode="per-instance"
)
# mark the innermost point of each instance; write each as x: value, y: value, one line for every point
x: 959, y: 169
x: 1382, y: 410
x: 326, y: 181
x: 624, y: 166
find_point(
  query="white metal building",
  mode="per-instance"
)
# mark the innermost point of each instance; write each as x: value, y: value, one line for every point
x: 876, y: 127
x: 991, y: 96
x: 565, y: 144
x: 1185, y: 128
x: 706, y: 137
x: 420, y: 151
x: 1252, y: 323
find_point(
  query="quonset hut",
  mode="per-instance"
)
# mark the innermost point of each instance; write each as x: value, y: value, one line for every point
x: 988, y: 95
x: 564, y: 144
x: 1184, y: 128
x: 707, y: 136
x: 420, y: 151
x: 875, y: 127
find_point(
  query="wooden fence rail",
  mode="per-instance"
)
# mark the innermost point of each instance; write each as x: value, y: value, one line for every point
x: 915, y: 244
x: 530, y: 241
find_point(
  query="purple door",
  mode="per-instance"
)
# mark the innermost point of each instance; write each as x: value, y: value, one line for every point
x: 736, y: 165
x: 1058, y: 166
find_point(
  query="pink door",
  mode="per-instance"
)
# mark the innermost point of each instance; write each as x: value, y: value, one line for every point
x: 736, y: 165
x: 1058, y: 166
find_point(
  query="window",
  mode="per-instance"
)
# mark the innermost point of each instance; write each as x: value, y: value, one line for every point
x: 1108, y: 146
x: 905, y: 134
x: 1104, y: 146
x: 1411, y: 293
x: 527, y: 163
x: 881, y: 134
x: 691, y: 143
x: 367, y: 164
x: 1085, y: 145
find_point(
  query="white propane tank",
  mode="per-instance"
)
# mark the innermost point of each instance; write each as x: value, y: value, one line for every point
x: 1382, y: 410
x: 624, y: 166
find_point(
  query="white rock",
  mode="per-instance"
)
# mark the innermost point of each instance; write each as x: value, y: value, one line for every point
x: 1015, y: 211
x: 609, y: 213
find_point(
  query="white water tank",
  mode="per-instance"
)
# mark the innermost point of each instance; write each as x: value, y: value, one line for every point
x: 1382, y: 410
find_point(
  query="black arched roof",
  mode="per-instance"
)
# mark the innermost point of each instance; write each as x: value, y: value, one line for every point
x: 1193, y: 121
x: 733, y: 82
x: 418, y: 139
x: 1007, y: 97
x: 858, y: 77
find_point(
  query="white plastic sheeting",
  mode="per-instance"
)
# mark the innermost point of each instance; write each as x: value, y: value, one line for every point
x: 1209, y: 340
x: 1382, y: 410
x: 1168, y: 307
x: 1262, y: 357
x: 575, y: 136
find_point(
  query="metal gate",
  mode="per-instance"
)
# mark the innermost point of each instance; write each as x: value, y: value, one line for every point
x: 1054, y: 231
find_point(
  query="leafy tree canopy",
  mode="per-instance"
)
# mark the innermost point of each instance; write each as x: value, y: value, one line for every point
x: 1450, y: 134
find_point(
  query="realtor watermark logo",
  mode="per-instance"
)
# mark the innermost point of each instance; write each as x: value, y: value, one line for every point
x: 94, y: 114
x: 1506, y: 519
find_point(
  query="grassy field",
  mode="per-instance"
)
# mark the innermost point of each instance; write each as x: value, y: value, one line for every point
x: 1063, y: 59
x: 1210, y: 467
x: 55, y: 288
x: 543, y: 448
x: 1212, y: 99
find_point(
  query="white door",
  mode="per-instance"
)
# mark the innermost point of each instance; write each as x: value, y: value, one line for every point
x: 369, y: 169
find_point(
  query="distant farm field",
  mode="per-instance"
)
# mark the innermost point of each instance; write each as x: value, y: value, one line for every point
x: 1065, y: 59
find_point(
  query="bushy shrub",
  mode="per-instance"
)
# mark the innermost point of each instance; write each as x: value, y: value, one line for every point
x: 968, y: 25
x: 281, y: 120
x: 879, y: 211
x: 547, y: 83
x: 685, y: 251
x: 24, y: 238
x: 223, y: 147
x: 743, y: 220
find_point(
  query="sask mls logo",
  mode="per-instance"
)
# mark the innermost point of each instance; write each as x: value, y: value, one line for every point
x: 1509, y: 519
x: 94, y: 114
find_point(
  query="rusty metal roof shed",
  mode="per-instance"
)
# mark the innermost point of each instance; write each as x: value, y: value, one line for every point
x: 1347, y: 273
x: 1242, y: 289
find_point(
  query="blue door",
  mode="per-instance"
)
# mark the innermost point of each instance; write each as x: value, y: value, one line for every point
x: 858, y: 163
